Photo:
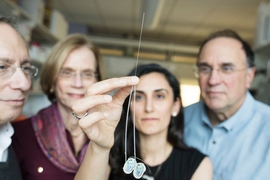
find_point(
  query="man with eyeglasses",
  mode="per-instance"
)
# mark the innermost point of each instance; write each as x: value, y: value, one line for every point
x: 228, y: 124
x: 15, y: 74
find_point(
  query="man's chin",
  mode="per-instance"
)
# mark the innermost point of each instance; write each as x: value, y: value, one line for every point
x: 215, y: 106
x: 10, y: 115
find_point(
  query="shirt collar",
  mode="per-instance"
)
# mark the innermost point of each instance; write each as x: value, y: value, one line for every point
x: 6, y: 131
x: 238, y: 118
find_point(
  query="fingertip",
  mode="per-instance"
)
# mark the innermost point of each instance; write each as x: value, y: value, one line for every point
x: 135, y: 79
x: 107, y: 98
x: 105, y: 114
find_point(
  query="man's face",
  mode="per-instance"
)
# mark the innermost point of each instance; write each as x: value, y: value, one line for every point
x: 224, y: 88
x: 14, y: 88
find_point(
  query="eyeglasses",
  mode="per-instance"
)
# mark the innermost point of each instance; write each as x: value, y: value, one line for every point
x: 67, y: 73
x: 8, y: 70
x: 204, y: 70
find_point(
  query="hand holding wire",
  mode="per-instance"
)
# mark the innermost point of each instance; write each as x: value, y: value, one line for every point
x: 104, y: 110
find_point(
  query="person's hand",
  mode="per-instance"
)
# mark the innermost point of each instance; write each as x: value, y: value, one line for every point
x: 104, y: 110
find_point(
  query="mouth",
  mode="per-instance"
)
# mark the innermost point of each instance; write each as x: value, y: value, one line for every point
x: 149, y: 119
x: 213, y: 92
x: 76, y: 96
x: 15, y: 102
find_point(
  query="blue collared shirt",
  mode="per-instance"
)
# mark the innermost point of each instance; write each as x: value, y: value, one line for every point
x: 239, y: 147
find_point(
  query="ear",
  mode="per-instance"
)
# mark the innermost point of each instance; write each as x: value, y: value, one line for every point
x: 250, y: 76
x: 176, y: 107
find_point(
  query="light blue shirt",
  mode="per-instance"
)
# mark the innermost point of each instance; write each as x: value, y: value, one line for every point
x: 239, y: 147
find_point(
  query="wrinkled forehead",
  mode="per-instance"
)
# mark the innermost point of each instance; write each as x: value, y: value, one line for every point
x: 12, y: 46
x: 222, y: 50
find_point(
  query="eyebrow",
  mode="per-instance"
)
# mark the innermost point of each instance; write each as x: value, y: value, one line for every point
x: 6, y: 60
x: 10, y: 61
x: 66, y: 68
x: 26, y: 61
x: 156, y: 90
x: 70, y: 69
x: 227, y: 64
x: 222, y: 64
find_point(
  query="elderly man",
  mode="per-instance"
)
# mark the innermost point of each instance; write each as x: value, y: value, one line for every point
x: 228, y: 124
x: 15, y: 74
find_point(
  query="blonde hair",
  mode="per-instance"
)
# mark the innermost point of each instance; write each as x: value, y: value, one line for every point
x: 58, y: 56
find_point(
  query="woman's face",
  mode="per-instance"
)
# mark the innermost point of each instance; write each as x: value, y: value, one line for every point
x: 76, y: 74
x: 154, y: 104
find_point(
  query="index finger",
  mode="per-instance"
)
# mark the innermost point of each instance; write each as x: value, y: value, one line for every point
x: 109, y: 85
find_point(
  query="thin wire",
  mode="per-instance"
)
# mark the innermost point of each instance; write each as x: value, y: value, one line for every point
x: 134, y: 96
x: 134, y: 120
x: 139, y: 47
x: 127, y: 124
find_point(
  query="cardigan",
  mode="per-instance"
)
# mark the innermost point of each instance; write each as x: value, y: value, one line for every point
x: 34, y: 164
x: 10, y: 169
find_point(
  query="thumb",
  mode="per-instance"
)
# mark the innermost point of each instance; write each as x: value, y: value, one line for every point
x: 120, y: 96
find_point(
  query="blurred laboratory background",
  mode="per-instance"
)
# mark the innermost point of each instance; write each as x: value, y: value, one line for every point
x: 171, y: 35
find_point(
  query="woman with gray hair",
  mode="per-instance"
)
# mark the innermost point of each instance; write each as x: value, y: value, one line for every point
x: 56, y: 142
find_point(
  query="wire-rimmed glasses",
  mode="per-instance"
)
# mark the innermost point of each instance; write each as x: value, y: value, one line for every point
x: 204, y: 70
x: 8, y: 70
x: 68, y: 73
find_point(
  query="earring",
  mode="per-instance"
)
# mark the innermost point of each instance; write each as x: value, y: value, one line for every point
x: 174, y: 114
x: 51, y: 90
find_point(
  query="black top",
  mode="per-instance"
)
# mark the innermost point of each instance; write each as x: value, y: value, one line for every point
x: 10, y: 170
x: 180, y: 165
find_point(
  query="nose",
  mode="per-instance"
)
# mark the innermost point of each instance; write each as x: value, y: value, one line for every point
x: 77, y: 80
x: 214, y: 77
x: 149, y: 105
x: 20, y: 81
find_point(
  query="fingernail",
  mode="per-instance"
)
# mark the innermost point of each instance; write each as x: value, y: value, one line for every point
x: 107, y: 98
x: 106, y: 114
x: 135, y: 79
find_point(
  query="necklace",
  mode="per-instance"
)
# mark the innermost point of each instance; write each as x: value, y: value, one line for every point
x: 147, y: 177
x: 157, y: 171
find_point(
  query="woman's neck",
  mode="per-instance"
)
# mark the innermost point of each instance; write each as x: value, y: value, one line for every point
x: 70, y: 122
x: 155, y: 149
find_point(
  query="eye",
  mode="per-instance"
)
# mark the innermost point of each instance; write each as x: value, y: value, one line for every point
x: 26, y: 69
x: 88, y: 74
x: 227, y: 68
x: 3, y: 67
x: 66, y: 72
x: 159, y: 96
x: 139, y: 97
x: 205, y: 69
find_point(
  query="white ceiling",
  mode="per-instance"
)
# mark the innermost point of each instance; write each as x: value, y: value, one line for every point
x: 177, y: 21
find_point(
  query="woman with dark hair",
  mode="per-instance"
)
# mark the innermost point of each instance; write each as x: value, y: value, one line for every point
x: 159, y: 129
x: 159, y: 133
